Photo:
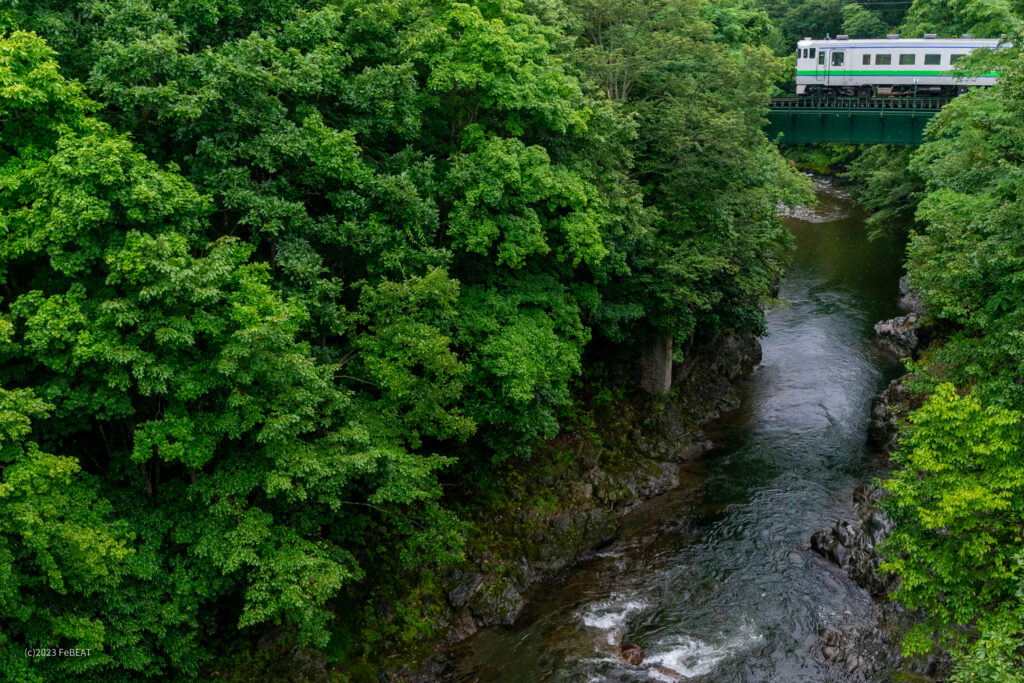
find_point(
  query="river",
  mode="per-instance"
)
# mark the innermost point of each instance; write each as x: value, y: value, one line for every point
x: 715, y: 580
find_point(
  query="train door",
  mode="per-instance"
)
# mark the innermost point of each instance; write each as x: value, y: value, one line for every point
x: 835, y: 65
x: 819, y: 66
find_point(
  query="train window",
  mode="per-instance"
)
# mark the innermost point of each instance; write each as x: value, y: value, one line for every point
x: 933, y: 59
x: 821, y: 58
x: 883, y: 59
x: 837, y: 58
x: 866, y: 59
x: 805, y: 53
x: 907, y: 59
x: 812, y: 53
x: 953, y: 58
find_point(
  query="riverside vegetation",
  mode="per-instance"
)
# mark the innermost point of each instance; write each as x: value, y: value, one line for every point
x: 957, y: 497
x: 286, y: 283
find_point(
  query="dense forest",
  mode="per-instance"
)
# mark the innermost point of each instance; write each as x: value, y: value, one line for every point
x: 286, y: 284
x: 281, y: 278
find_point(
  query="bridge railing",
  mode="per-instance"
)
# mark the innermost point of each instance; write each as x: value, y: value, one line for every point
x: 833, y: 103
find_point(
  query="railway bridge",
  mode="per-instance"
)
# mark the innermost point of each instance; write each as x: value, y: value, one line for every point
x: 851, y: 120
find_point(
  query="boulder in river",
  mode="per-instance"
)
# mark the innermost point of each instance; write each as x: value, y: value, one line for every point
x: 663, y: 673
x: 633, y: 654
x: 905, y: 335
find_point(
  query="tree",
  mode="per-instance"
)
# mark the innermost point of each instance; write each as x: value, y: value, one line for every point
x: 957, y: 499
x: 62, y: 552
x: 175, y: 378
x: 980, y: 18
x: 958, y: 505
x: 885, y: 185
x: 712, y: 177
x: 859, y: 22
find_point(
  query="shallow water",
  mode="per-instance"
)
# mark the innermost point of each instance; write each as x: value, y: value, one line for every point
x: 715, y: 580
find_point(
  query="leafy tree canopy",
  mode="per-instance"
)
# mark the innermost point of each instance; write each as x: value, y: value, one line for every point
x: 275, y: 272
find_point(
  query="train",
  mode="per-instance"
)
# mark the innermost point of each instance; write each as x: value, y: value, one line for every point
x: 890, y: 66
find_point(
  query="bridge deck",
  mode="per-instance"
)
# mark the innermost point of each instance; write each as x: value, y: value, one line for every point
x: 833, y: 103
x: 852, y: 120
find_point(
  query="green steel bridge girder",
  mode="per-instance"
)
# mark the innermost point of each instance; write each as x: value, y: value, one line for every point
x: 846, y: 126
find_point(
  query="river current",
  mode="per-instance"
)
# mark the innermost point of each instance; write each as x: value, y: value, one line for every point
x: 715, y: 580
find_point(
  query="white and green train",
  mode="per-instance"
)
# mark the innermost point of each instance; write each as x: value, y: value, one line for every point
x: 887, y: 66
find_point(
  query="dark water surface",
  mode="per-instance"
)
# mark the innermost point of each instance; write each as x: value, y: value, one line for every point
x: 715, y: 580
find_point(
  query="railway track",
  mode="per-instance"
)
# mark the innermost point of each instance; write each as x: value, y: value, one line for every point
x: 839, y: 103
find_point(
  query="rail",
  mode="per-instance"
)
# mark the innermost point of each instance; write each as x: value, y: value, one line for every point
x: 837, y: 103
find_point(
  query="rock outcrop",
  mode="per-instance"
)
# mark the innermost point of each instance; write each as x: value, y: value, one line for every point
x: 888, y: 410
x: 910, y: 298
x: 899, y: 335
x: 850, y: 544
x: 870, y: 652
x: 594, y: 494
x: 905, y: 335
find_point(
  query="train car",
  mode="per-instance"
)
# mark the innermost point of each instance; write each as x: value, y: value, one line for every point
x: 887, y: 66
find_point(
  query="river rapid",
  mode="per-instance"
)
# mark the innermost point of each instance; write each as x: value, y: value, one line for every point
x: 715, y: 580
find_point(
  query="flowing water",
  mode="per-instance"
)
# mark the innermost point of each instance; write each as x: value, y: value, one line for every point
x: 715, y: 580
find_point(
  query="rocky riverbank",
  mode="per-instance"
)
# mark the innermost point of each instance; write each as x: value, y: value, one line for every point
x: 872, y: 653
x: 576, y: 490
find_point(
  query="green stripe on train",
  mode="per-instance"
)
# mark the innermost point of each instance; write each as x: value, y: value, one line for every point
x: 840, y: 72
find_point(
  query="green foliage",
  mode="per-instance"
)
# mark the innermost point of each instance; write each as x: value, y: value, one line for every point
x: 885, y: 185
x: 958, y: 502
x: 61, y: 550
x: 859, y: 22
x: 967, y: 262
x: 714, y: 179
x: 410, y: 360
x: 802, y: 19
x: 511, y: 197
x: 813, y: 18
x: 826, y: 159
x: 980, y: 18
x: 277, y: 270
x: 230, y: 448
